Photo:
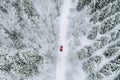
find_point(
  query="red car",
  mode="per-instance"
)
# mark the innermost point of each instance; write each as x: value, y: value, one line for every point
x: 61, y: 48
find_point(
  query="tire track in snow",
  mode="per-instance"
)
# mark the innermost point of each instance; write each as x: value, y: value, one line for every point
x: 61, y: 57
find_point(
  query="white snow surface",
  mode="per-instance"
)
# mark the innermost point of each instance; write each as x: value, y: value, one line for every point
x: 64, y: 22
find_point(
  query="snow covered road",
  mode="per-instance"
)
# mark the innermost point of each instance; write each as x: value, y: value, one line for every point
x: 61, y: 57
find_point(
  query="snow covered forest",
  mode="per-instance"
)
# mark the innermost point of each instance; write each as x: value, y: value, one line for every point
x: 30, y: 32
x: 28, y: 39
